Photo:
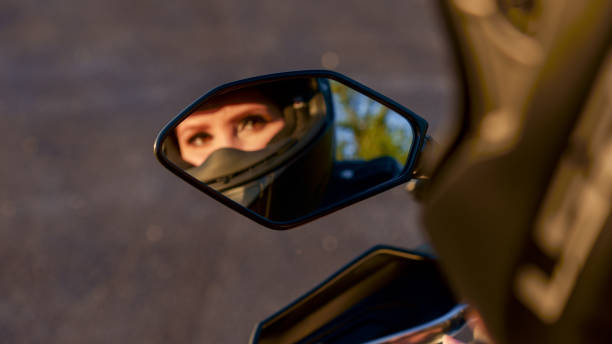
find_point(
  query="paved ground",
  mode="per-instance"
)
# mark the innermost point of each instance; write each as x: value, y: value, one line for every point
x: 98, y: 243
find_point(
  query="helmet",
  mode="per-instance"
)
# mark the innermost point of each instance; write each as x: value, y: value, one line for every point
x: 267, y: 180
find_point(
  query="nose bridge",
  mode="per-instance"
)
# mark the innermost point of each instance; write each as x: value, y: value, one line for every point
x: 226, y: 137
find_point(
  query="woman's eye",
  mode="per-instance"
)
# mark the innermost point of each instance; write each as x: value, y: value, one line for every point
x: 199, y: 139
x: 252, y: 122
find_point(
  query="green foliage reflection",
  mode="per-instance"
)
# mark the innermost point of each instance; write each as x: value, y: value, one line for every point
x: 367, y: 129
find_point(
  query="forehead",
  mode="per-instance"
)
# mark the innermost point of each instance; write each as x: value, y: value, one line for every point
x: 243, y: 96
x: 224, y: 113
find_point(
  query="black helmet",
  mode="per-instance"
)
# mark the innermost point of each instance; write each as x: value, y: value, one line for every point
x: 274, y: 174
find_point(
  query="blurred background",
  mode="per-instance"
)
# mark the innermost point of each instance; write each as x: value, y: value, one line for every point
x: 98, y: 242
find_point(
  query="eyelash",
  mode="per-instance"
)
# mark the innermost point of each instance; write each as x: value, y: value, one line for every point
x: 199, y: 135
x: 253, y: 120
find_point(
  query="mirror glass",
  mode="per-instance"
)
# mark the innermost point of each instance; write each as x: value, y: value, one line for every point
x: 289, y: 147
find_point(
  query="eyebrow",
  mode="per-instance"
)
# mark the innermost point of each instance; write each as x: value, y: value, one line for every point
x: 255, y: 107
x: 189, y: 127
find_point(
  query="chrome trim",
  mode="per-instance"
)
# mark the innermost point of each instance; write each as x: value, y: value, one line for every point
x: 431, y: 332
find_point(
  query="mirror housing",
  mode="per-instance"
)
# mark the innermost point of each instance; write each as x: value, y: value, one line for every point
x: 387, y: 295
x: 284, y: 149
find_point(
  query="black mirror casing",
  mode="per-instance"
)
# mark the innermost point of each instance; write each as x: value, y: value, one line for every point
x: 386, y: 295
x: 418, y: 125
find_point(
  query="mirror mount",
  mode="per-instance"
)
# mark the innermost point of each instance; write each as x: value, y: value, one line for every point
x: 421, y: 175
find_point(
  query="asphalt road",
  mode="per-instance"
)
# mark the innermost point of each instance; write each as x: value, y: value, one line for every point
x: 99, y: 243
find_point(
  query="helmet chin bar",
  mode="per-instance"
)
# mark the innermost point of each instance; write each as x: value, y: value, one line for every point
x: 246, y: 193
x: 229, y: 167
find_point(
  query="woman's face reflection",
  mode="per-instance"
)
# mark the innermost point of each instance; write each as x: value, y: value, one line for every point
x: 248, y: 122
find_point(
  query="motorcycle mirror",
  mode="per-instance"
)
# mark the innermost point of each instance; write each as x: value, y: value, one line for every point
x: 284, y: 149
x: 385, y: 296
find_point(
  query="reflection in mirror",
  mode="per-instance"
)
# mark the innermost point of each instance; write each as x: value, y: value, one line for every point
x: 289, y: 147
